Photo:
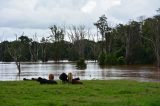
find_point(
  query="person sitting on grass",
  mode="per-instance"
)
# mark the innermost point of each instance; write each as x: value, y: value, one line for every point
x: 73, y: 80
x: 63, y: 78
x: 69, y: 79
x: 51, y: 77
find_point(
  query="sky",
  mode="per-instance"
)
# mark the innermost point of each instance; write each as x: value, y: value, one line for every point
x: 36, y: 16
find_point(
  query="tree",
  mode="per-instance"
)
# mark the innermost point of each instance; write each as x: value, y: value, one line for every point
x: 44, y: 49
x: 57, y: 37
x: 4, y: 54
x: 151, y: 32
x: 15, y: 50
x: 34, y: 48
x: 25, y: 45
x: 132, y: 41
x: 77, y: 36
x: 104, y: 29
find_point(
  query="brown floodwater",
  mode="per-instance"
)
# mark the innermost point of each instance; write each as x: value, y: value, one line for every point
x: 146, y: 73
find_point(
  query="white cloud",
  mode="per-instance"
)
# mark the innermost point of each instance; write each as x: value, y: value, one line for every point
x: 110, y: 3
x: 35, y: 15
x: 89, y: 7
x: 9, y: 33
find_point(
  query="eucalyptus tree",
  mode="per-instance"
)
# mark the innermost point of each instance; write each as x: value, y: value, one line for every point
x: 34, y: 48
x: 57, y: 37
x: 151, y: 32
x: 129, y: 37
x: 102, y: 26
x: 43, y: 43
x: 77, y: 35
x: 25, y: 43
x: 15, y: 50
x: 132, y: 41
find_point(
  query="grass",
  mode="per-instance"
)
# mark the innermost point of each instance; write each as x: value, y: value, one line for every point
x: 91, y: 93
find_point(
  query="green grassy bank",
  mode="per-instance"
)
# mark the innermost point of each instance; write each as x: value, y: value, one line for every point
x: 91, y: 93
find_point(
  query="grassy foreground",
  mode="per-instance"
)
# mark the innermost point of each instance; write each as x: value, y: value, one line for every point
x: 91, y: 93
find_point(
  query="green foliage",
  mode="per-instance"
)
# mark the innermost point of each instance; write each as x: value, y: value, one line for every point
x: 101, y: 58
x: 6, y: 56
x: 80, y: 64
x: 121, y: 60
x: 110, y: 59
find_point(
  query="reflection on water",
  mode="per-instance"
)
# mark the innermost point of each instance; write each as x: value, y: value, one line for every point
x: 8, y: 71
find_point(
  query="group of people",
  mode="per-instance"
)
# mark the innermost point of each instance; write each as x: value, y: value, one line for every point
x: 63, y: 77
x: 69, y: 78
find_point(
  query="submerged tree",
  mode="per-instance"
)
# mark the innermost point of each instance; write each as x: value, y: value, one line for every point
x: 102, y: 26
x: 15, y: 50
x: 77, y: 35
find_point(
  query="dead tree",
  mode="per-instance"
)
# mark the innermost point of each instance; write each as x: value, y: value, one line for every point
x: 34, y: 48
x: 76, y: 36
x: 14, y: 49
x: 43, y: 49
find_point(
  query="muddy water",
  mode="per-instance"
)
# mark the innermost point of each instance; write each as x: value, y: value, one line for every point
x: 146, y: 73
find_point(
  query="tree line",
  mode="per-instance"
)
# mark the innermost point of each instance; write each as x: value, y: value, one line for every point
x: 137, y: 42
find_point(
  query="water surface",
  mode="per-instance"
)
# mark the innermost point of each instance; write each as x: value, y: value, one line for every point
x: 147, y: 73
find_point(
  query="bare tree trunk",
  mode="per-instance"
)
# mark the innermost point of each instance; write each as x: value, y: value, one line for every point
x: 15, y: 52
x: 18, y: 64
x: 77, y: 36
x: 108, y: 40
x: 128, y: 51
x: 157, y: 52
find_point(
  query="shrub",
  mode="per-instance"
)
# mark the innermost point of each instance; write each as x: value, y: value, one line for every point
x: 121, y: 60
x: 101, y: 59
x: 110, y: 59
x: 81, y: 64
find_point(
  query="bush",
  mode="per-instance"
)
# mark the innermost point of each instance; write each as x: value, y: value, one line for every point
x: 81, y: 64
x: 110, y: 59
x: 121, y: 60
x: 101, y: 59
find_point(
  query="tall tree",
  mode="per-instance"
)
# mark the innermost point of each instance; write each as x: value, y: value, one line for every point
x: 57, y: 37
x: 151, y: 32
x: 15, y: 50
x: 102, y: 26
x: 44, y: 42
x: 129, y: 36
x: 25, y: 45
x: 132, y: 41
x: 34, y: 48
x: 77, y: 34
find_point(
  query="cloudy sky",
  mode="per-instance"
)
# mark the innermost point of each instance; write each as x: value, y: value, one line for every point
x: 35, y: 16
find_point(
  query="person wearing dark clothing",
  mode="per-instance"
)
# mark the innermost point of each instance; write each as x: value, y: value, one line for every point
x: 63, y: 78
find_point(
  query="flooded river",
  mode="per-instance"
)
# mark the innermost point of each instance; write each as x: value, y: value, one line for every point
x: 146, y: 73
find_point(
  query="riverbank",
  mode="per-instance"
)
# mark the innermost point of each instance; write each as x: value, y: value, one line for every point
x: 91, y: 93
